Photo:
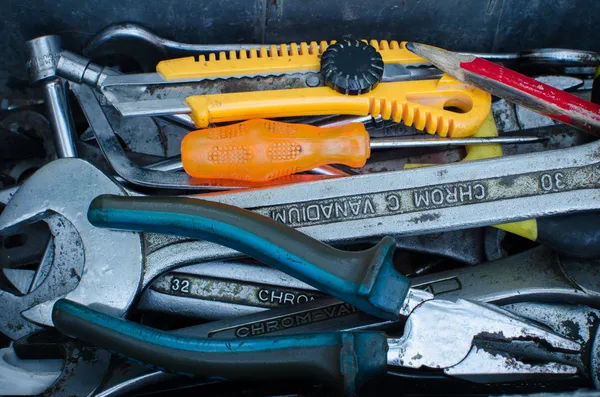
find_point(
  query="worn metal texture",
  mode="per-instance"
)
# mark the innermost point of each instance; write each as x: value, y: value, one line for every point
x: 493, y: 25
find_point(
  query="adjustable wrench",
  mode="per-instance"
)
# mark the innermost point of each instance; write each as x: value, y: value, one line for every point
x: 227, y: 289
x: 340, y: 210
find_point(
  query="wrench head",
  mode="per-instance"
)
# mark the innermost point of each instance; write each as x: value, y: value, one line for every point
x: 111, y: 268
x: 146, y: 48
x: 59, y: 280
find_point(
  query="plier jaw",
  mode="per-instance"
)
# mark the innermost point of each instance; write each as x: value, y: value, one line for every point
x: 451, y: 336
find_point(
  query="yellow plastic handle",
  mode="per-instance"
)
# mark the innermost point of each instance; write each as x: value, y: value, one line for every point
x: 446, y: 106
x: 273, y: 60
x: 261, y: 150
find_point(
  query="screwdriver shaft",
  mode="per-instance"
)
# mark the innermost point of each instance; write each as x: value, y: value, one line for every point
x: 398, y: 143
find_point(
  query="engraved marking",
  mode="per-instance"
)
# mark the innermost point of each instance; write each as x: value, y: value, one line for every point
x: 278, y: 297
x: 552, y: 183
x: 318, y: 212
x: 402, y: 201
x: 290, y: 321
x: 231, y: 291
x: 180, y: 285
x: 393, y: 201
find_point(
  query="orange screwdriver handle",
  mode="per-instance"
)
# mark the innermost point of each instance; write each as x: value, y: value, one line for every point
x: 261, y: 150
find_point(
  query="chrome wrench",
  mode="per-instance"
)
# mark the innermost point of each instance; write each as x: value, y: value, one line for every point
x: 341, y: 210
x: 110, y: 268
x: 218, y: 290
x: 148, y: 48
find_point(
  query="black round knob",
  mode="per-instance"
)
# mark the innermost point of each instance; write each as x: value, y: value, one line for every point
x: 351, y: 67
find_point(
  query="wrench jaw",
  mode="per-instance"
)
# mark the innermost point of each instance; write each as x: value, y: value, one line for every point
x: 66, y: 270
x: 449, y: 336
x: 92, y: 266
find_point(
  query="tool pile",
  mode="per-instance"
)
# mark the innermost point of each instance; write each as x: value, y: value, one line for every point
x: 332, y: 218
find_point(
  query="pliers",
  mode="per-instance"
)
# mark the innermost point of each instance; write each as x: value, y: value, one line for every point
x: 452, y: 337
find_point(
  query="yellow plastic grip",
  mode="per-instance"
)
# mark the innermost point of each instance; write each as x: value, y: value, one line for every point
x: 446, y: 106
x: 272, y: 60
x: 261, y: 150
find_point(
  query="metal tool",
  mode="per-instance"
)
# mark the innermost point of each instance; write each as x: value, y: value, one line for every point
x: 86, y: 262
x: 515, y: 87
x: 105, y: 279
x: 265, y: 239
x: 510, y: 117
x: 262, y: 150
x: 147, y: 49
x: 43, y: 54
x: 366, y: 279
x: 418, y: 201
x: 181, y: 87
x: 330, y: 314
x: 447, y: 197
x: 577, y: 321
x: 556, y: 57
x: 124, y: 167
x: 322, y: 355
x: 83, y: 369
x: 218, y: 290
x: 10, y: 104
x: 26, y: 377
x: 153, y: 177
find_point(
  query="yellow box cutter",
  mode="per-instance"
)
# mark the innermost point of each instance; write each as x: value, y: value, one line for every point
x: 379, y: 78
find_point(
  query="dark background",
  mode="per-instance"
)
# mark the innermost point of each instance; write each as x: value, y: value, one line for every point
x: 468, y: 25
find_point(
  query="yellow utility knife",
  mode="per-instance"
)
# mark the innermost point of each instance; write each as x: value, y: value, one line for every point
x: 377, y: 78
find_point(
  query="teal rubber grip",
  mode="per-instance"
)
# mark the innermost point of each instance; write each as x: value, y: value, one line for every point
x: 343, y: 360
x: 366, y: 279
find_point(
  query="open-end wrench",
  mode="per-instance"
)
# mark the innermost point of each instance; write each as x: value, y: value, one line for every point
x: 114, y: 266
x: 398, y: 203
x: 217, y: 290
x: 408, y: 202
x: 87, y: 262
x: 54, y: 281
x: 145, y: 47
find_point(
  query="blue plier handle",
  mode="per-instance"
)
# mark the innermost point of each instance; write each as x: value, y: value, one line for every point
x: 344, y: 360
x: 366, y: 279
x: 439, y: 334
